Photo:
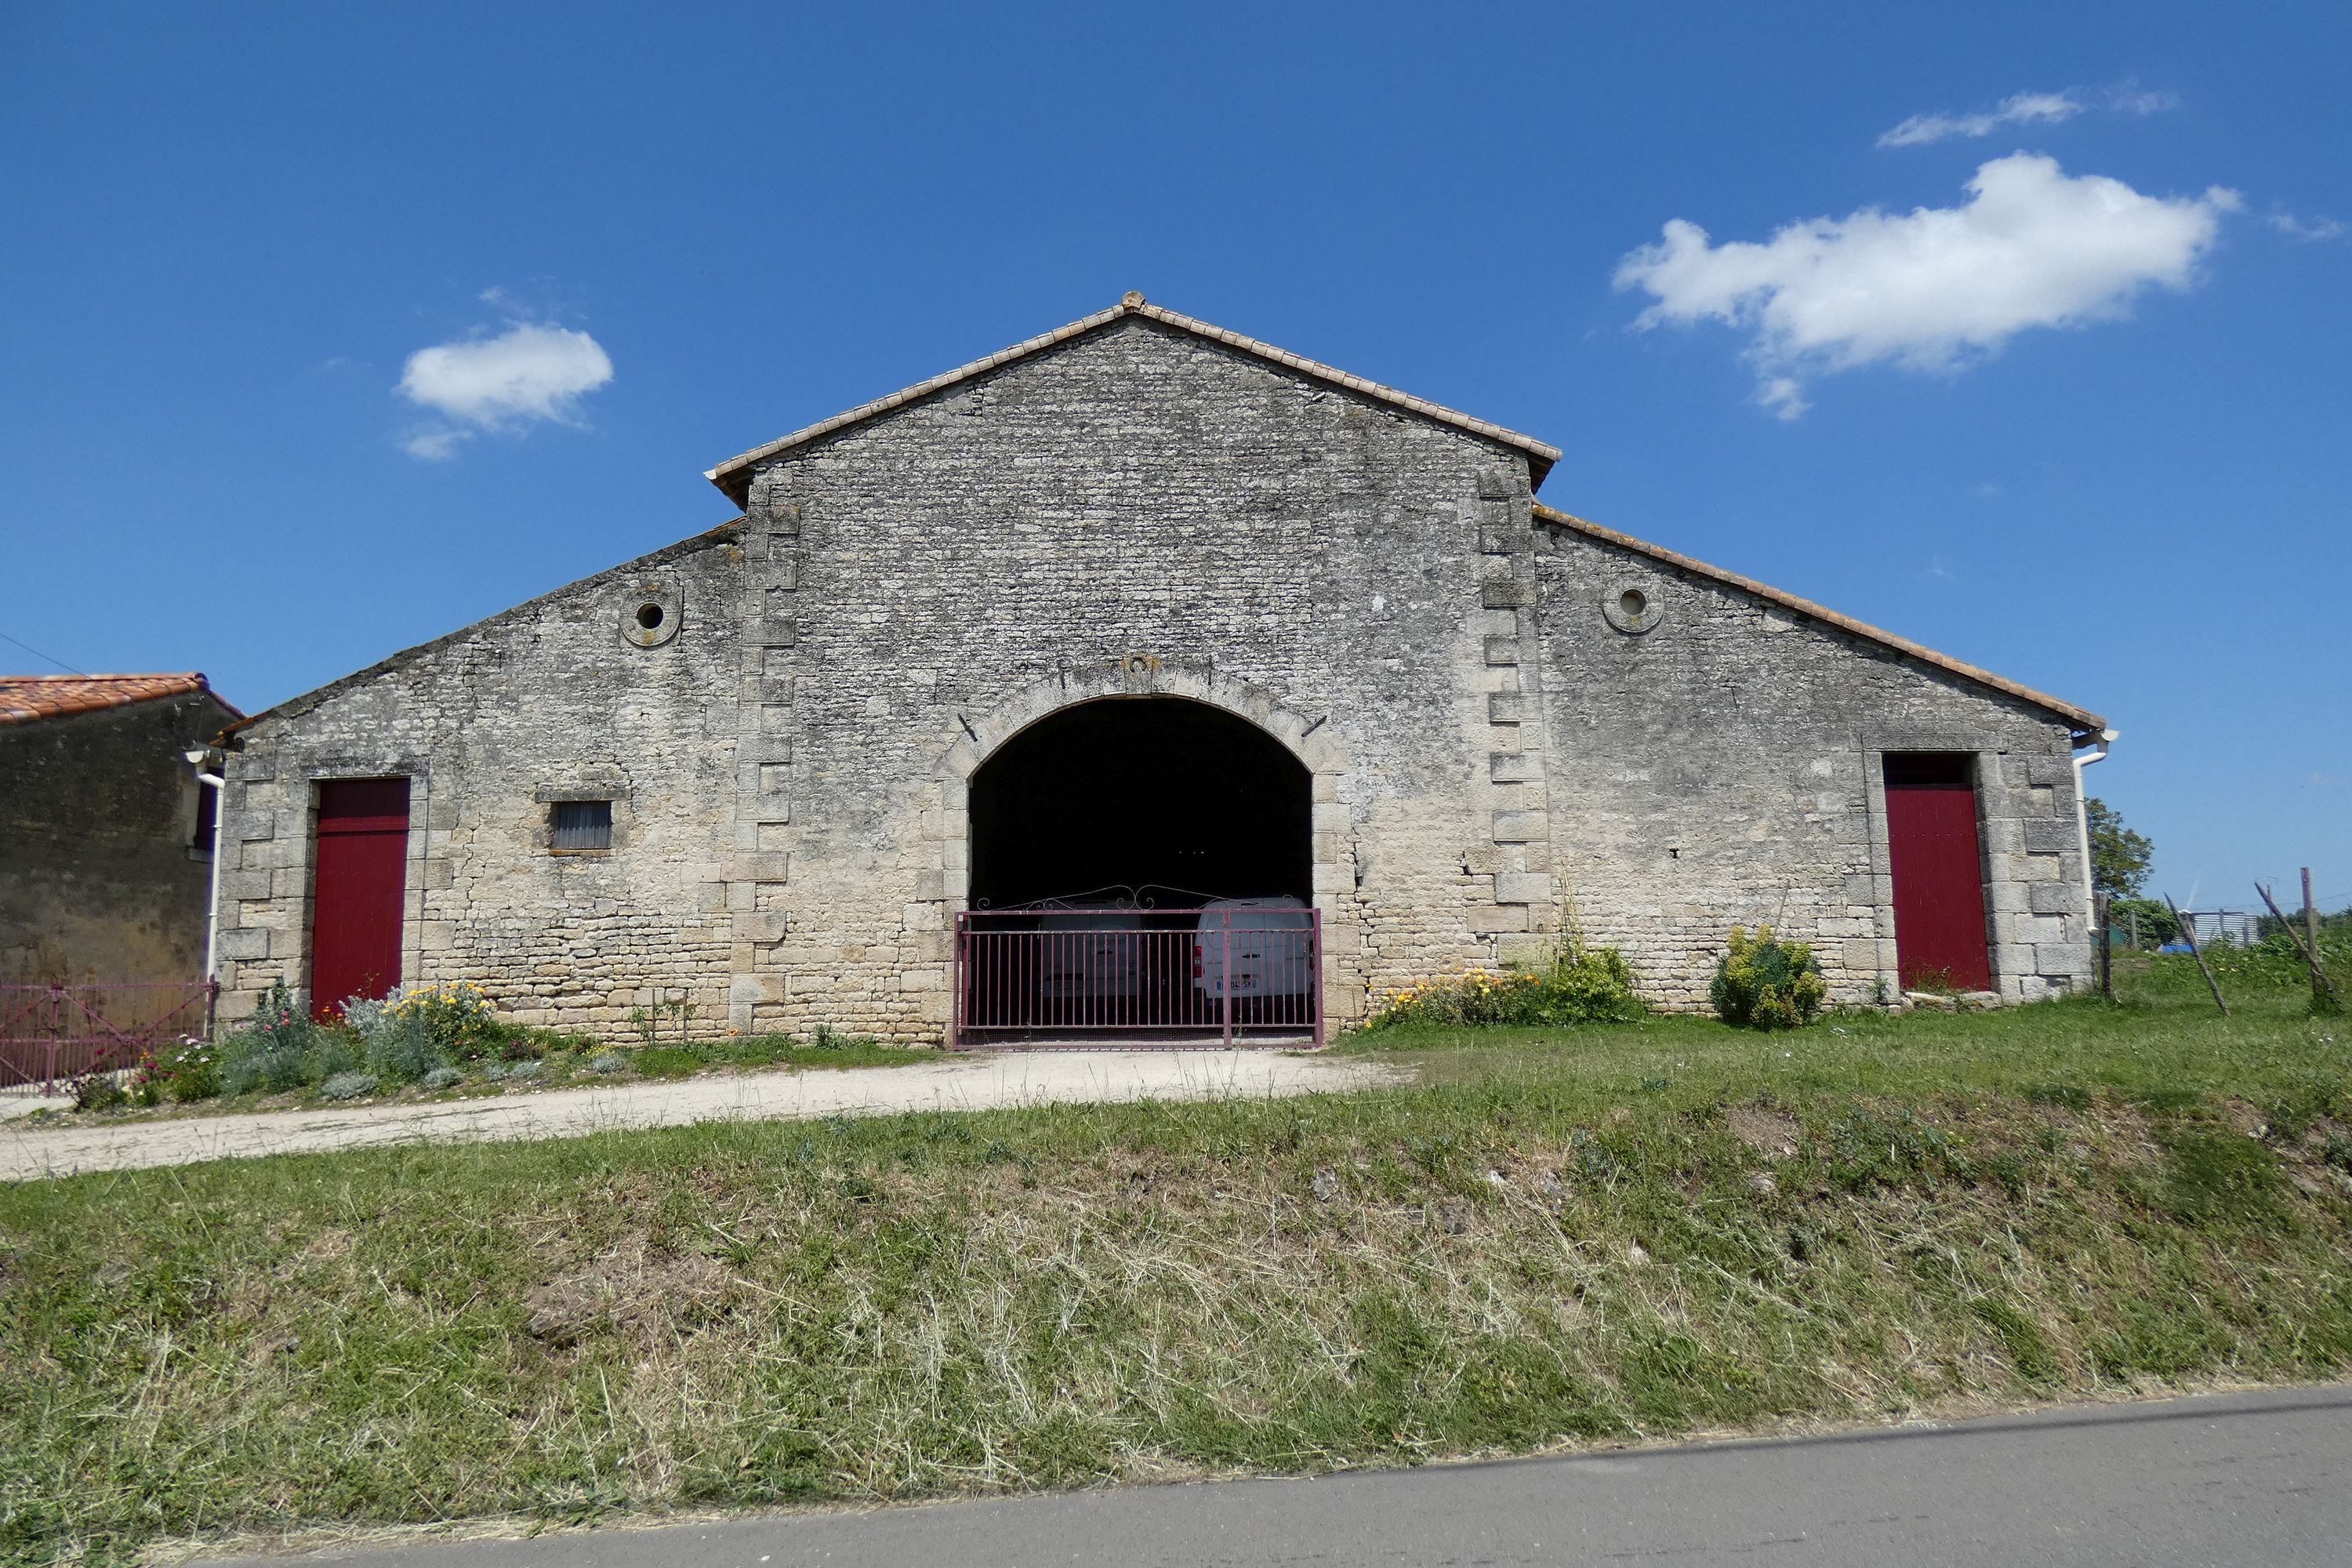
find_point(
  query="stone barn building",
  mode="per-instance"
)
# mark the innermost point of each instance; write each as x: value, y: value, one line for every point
x: 1142, y: 618
x: 106, y: 833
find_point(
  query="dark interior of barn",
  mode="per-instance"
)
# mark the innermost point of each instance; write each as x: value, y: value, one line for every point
x: 1158, y: 799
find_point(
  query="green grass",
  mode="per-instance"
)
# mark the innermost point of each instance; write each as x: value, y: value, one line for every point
x: 771, y: 1051
x: 1571, y: 1236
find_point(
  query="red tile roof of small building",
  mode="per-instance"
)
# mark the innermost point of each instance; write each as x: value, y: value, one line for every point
x: 24, y: 697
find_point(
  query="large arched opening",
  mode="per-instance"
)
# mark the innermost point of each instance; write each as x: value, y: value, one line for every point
x: 1161, y: 799
x: 1139, y: 864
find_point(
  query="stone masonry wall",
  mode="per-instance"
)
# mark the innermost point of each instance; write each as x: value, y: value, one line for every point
x: 548, y: 702
x: 1138, y: 511
x: 1717, y: 761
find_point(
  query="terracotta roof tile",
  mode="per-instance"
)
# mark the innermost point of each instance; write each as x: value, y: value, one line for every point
x: 24, y: 697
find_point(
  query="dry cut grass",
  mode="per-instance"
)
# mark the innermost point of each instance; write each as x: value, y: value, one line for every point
x: 1563, y: 1238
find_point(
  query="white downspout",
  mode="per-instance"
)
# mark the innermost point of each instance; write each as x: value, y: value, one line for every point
x: 2108, y: 737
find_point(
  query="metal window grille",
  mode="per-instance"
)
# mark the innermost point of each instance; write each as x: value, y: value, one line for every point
x: 583, y: 825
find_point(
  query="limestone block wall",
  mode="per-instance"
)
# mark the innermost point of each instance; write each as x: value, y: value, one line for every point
x: 556, y: 699
x: 1138, y: 511
x: 1718, y: 760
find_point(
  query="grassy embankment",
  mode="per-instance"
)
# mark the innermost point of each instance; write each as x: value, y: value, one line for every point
x: 1593, y: 1235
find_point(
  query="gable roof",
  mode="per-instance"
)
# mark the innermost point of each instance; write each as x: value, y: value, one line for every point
x: 26, y: 697
x: 733, y: 477
x: 725, y: 533
x: 2081, y: 719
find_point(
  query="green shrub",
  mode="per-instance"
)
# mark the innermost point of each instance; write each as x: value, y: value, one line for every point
x: 608, y: 1062
x: 1579, y: 986
x: 1764, y: 982
x: 443, y: 1078
x: 2149, y: 919
x: 99, y: 1091
x: 189, y: 1070
x: 272, y: 1051
x: 348, y: 1086
x: 398, y: 1047
x: 332, y: 1051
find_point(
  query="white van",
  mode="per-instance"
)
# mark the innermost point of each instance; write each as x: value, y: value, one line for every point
x: 1271, y: 942
x: 1093, y: 953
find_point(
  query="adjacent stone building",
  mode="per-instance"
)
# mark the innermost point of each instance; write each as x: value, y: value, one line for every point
x: 1143, y: 607
x: 106, y: 834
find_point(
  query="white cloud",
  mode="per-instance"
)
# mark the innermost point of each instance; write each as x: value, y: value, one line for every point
x: 437, y: 445
x: 2024, y: 109
x: 2318, y: 228
x: 1784, y: 396
x: 1932, y: 289
x: 529, y: 371
x: 2130, y: 98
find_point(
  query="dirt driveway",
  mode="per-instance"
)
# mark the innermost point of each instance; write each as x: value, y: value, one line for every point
x: 952, y: 1083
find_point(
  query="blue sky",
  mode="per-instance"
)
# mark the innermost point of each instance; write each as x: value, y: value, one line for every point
x: 2089, y: 426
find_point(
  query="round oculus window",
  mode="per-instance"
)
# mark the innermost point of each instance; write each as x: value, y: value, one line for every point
x: 1631, y: 608
x: 650, y: 615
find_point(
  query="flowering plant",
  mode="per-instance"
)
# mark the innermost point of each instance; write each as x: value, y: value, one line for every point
x: 1581, y: 986
x: 188, y: 1069
x: 456, y: 1014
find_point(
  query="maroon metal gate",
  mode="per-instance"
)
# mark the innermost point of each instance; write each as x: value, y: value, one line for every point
x: 51, y: 1035
x: 1226, y: 975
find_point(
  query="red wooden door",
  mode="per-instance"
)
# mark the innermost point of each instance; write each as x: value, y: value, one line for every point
x: 1931, y: 837
x: 361, y: 882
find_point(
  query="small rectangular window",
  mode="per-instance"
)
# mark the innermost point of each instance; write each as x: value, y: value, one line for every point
x: 207, y: 813
x: 583, y: 825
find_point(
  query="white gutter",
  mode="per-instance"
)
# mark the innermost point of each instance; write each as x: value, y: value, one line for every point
x: 2108, y: 737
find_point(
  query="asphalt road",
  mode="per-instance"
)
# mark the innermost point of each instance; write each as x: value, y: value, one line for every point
x: 2233, y: 1480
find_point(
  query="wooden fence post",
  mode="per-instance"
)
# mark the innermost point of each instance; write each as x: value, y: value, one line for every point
x: 2188, y: 932
x: 2323, y: 989
x: 2104, y: 936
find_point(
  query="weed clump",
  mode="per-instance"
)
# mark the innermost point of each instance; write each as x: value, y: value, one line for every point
x: 273, y: 1050
x: 1764, y: 982
x: 1579, y: 986
x: 348, y: 1086
x: 99, y: 1091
